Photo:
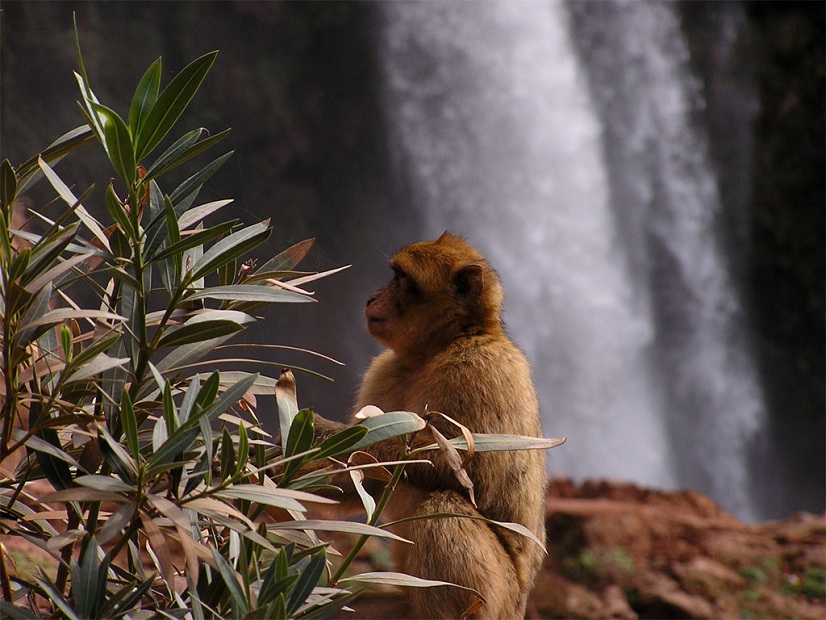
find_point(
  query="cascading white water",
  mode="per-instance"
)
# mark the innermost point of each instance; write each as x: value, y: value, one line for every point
x: 499, y: 135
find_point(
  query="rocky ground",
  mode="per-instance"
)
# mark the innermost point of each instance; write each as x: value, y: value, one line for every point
x: 618, y: 551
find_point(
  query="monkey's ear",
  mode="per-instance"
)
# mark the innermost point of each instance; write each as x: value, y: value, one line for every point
x: 469, y: 281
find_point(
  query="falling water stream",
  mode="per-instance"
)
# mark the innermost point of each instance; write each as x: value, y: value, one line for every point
x: 579, y: 172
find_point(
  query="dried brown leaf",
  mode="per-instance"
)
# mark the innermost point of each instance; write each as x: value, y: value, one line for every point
x: 161, y: 550
x: 471, y: 445
x: 376, y: 473
x: 453, y: 459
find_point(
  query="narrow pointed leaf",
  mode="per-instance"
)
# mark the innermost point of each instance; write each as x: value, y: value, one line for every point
x: 301, y: 434
x: 97, y: 366
x: 196, y: 214
x: 55, y: 273
x: 391, y: 424
x: 186, y: 192
x: 8, y: 184
x: 117, y: 142
x: 184, y: 150
x: 287, y: 259
x: 117, y: 211
x: 250, y: 292
x: 399, y: 579
x: 104, y: 483
x: 130, y: 424
x: 198, y: 332
x: 28, y: 173
x: 236, y: 592
x: 306, y: 582
x: 287, y: 403
x: 230, y: 248
x: 69, y: 198
x: 200, y: 237
x: 145, y: 96
x: 342, y: 441
x: 328, y: 525
x: 171, y: 103
x: 186, y: 434
x: 507, y: 443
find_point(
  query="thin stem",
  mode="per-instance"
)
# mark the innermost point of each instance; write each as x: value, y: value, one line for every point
x: 382, y: 504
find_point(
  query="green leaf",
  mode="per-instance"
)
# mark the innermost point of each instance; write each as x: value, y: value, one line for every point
x: 228, y: 249
x: 47, y: 251
x: 243, y: 450
x: 300, y: 440
x: 197, y: 332
x: 236, y: 592
x: 69, y: 198
x: 8, y: 184
x: 287, y: 259
x: 54, y: 317
x: 146, y: 94
x: 184, y: 149
x: 260, y: 496
x: 55, y: 596
x: 98, y: 365
x: 104, y: 483
x: 170, y: 104
x: 342, y: 441
x: 183, y: 437
x: 170, y: 412
x: 506, y: 443
x: 118, y: 212
x: 306, y: 582
x: 186, y: 192
x: 287, y: 403
x: 188, y: 354
x: 85, y: 581
x: 196, y: 214
x: 55, y: 274
x: 195, y: 239
x: 117, y: 142
x: 28, y: 173
x: 118, y: 520
x: 126, y: 599
x: 301, y: 434
x: 115, y: 456
x: 130, y: 424
x: 13, y: 612
x: 250, y: 292
x: 88, y: 98
x: 328, y: 525
x: 227, y: 455
x: 400, y: 579
x: 49, y: 454
x: 278, y: 580
x: 388, y: 425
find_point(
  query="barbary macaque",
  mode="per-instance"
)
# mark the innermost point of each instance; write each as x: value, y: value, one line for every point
x: 440, y: 317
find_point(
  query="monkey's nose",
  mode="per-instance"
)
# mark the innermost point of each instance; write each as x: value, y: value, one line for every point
x: 371, y: 299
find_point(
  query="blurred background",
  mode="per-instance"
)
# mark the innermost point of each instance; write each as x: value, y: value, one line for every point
x: 647, y: 178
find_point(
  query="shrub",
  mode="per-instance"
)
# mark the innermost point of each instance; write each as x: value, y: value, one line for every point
x: 166, y: 496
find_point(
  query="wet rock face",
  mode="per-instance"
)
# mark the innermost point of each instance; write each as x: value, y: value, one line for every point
x: 619, y: 551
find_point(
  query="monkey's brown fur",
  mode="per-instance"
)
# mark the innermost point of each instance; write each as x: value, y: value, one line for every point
x: 440, y: 318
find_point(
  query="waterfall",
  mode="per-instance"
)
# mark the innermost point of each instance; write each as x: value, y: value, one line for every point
x: 585, y: 180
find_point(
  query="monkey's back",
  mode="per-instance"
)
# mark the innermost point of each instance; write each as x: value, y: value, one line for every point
x: 484, y: 382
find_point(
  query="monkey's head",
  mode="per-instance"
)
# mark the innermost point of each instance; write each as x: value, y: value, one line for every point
x: 441, y: 290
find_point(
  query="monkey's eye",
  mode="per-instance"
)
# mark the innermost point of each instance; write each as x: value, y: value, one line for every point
x: 404, y: 282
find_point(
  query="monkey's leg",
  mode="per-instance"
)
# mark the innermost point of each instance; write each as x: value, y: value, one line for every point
x: 461, y: 551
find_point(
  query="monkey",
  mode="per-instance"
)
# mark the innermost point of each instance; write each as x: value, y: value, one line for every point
x: 440, y: 319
